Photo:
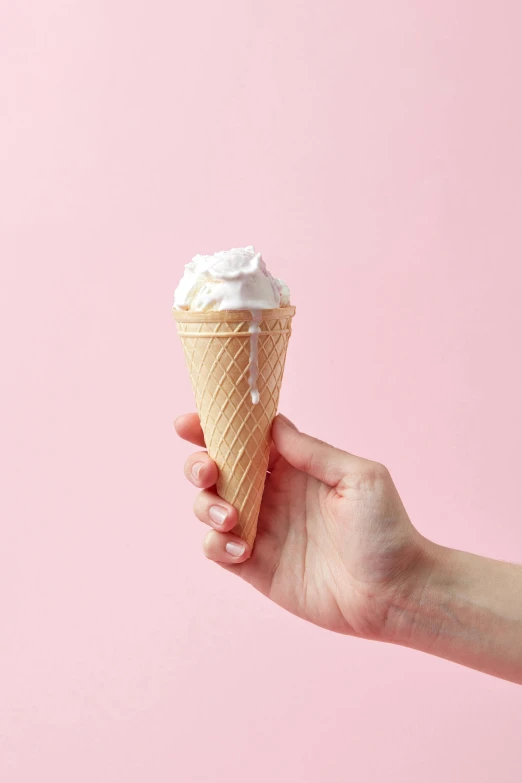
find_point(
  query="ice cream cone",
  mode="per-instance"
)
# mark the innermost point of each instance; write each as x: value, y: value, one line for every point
x: 237, y: 432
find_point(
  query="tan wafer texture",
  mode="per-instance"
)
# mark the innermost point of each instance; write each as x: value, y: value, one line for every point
x: 237, y: 432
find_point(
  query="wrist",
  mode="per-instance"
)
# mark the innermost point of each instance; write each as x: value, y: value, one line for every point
x: 420, y: 601
x: 462, y: 607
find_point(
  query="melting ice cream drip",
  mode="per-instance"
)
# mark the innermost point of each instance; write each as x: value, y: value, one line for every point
x: 254, y: 330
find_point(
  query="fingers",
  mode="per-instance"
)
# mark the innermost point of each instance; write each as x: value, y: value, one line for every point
x: 309, y: 455
x: 214, y: 511
x: 225, y: 548
x: 189, y: 428
x: 201, y: 470
x: 219, y: 545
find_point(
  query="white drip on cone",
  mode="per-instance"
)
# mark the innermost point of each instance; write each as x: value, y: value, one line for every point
x: 254, y: 329
x: 233, y: 280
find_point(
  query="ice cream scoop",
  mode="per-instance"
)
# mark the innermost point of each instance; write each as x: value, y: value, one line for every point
x: 234, y: 279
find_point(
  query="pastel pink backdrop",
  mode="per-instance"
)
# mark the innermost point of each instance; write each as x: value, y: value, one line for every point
x: 372, y: 152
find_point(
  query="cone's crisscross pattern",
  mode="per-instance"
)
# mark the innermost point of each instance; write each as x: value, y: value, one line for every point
x: 237, y: 432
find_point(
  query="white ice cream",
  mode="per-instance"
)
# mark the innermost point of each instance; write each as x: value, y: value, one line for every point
x: 234, y: 279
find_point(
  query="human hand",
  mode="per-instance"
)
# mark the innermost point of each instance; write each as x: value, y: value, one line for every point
x: 334, y: 543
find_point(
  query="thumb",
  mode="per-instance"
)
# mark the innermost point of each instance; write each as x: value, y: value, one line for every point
x: 308, y: 454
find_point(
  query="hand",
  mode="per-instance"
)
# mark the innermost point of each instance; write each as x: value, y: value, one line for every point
x: 334, y: 543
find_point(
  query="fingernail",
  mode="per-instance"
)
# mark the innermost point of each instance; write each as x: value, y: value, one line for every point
x: 235, y: 549
x: 217, y: 514
x: 196, y: 469
x: 287, y: 421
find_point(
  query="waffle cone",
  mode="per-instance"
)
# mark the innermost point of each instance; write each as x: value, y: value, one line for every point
x: 237, y: 432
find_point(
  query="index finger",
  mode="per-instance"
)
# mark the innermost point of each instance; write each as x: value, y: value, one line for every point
x: 188, y: 427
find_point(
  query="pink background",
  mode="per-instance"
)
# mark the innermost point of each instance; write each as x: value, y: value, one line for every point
x: 377, y: 143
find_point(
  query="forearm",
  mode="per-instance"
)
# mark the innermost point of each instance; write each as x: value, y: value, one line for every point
x: 465, y: 608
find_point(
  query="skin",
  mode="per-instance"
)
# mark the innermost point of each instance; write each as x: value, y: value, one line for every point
x: 336, y: 547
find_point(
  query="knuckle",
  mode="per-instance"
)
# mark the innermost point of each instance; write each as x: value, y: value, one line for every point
x: 381, y: 471
x: 200, y: 503
x: 370, y: 477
